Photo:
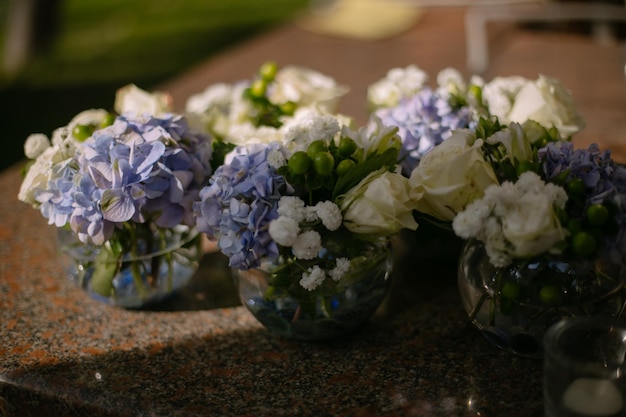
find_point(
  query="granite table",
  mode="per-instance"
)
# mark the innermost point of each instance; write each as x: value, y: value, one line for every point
x: 201, y: 354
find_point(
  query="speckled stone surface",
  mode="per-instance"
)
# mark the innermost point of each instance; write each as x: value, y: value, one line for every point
x: 200, y: 354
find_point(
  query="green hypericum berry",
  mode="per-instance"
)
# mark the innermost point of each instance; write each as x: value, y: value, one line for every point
x: 258, y: 88
x: 108, y: 120
x: 268, y: 70
x: 575, y: 187
x: 584, y: 244
x: 549, y: 294
x: 511, y: 290
x: 288, y: 108
x: 597, y: 214
x: 316, y: 147
x: 323, y: 163
x: 574, y: 226
x: 347, y: 146
x: 344, y: 166
x: 299, y: 163
x: 82, y: 132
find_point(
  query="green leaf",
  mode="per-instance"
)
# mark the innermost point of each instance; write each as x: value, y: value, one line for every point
x: 355, y: 175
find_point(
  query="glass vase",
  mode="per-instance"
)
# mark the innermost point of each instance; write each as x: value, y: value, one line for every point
x: 513, y: 306
x: 134, y: 269
x: 321, y: 314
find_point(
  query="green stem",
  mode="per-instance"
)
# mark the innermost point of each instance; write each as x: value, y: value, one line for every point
x: 134, y: 262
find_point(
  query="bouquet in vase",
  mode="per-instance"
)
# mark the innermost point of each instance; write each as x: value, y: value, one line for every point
x: 120, y: 188
x: 306, y: 218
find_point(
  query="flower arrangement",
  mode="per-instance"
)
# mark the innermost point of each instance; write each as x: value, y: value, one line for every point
x: 307, y: 209
x: 426, y: 116
x: 120, y: 183
x: 258, y: 109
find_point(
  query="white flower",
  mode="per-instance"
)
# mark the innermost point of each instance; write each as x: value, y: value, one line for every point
x: 374, y: 137
x: 397, y: 84
x: 500, y: 93
x: 547, y: 102
x: 325, y: 127
x: 514, y: 141
x: 132, y: 99
x: 515, y: 220
x: 284, y: 230
x: 451, y: 81
x: 276, y: 159
x: 380, y: 204
x: 342, y: 268
x: 450, y: 176
x: 307, y: 245
x: 291, y: 206
x: 35, y: 145
x: 305, y: 87
x: 329, y: 213
x: 313, y: 278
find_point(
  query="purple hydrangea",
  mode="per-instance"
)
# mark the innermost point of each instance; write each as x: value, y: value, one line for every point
x: 240, y: 202
x: 424, y: 121
x: 136, y: 170
x: 604, y: 180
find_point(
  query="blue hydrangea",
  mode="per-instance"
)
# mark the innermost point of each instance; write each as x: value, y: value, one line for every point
x: 240, y: 202
x: 136, y: 170
x: 424, y: 121
x: 605, y: 181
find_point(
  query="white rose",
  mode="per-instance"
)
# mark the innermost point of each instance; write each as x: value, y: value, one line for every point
x: 450, y: 176
x: 134, y: 100
x: 547, y: 102
x: 39, y: 173
x: 305, y: 87
x: 379, y: 205
x: 35, y: 145
x: 532, y: 226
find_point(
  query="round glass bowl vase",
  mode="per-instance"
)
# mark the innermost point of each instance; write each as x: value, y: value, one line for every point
x: 320, y: 314
x: 145, y: 268
x: 513, y: 306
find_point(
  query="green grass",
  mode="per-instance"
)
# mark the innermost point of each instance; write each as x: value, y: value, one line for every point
x: 102, y: 45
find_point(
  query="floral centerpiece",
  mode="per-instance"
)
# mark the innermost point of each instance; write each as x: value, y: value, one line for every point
x: 306, y: 221
x: 544, y: 223
x: 120, y: 188
x: 254, y: 110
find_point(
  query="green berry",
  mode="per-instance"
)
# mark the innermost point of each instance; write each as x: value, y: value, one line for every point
x: 576, y: 187
x: 323, y: 163
x: 549, y: 294
x: 268, y: 70
x: 347, y: 146
x: 511, y: 290
x: 258, y: 88
x: 316, y: 147
x: 574, y: 226
x: 108, y: 120
x: 82, y: 132
x: 299, y: 163
x: 584, y: 244
x: 597, y: 214
x: 288, y: 108
x: 344, y: 166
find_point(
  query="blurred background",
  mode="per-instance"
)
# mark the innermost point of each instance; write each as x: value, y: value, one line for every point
x: 59, y: 57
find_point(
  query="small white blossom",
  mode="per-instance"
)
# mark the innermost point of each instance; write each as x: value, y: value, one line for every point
x: 35, y: 145
x: 276, y: 159
x: 310, y: 214
x: 293, y: 207
x: 343, y: 266
x: 284, y: 230
x: 330, y: 214
x: 324, y: 127
x: 398, y: 83
x: 307, y: 245
x: 313, y: 278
